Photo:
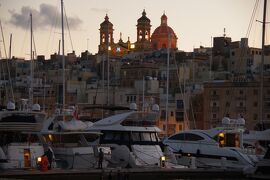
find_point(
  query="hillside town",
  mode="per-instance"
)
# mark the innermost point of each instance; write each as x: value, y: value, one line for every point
x: 204, y: 85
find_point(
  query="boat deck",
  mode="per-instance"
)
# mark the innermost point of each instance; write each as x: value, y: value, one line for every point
x: 128, y: 174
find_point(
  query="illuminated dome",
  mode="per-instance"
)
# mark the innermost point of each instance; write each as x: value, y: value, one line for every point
x: 159, y: 38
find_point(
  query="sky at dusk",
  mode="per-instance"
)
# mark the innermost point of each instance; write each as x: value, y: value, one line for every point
x: 193, y: 21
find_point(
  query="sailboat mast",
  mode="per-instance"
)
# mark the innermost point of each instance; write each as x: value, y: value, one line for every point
x: 108, y: 65
x: 167, y: 83
x: 63, y: 53
x: 31, y: 63
x: 262, y: 60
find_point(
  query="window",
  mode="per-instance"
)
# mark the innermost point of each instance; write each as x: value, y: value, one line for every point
x: 227, y: 92
x: 172, y: 113
x: 241, y: 92
x: 179, y: 104
x: 103, y: 38
x: 255, y: 91
x: 180, y: 127
x: 180, y: 136
x: 163, y: 114
x: 241, y: 104
x: 214, y: 92
x: 255, y: 116
x: 146, y: 35
x: 145, y: 136
x: 179, y: 116
x: 193, y: 137
x: 227, y: 104
x: 214, y: 116
x: 255, y: 104
x: 135, y: 136
x: 127, y: 98
x: 140, y: 35
x: 186, y: 137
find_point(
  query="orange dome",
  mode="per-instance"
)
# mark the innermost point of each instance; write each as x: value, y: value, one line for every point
x: 159, y: 38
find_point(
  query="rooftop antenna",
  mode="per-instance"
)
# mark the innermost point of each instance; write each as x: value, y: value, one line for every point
x: 224, y: 31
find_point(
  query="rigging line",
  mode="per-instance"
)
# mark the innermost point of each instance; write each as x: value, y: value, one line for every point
x: 10, y: 82
x: 252, y: 18
x: 181, y: 90
x: 53, y: 25
x: 35, y: 50
x: 68, y: 29
x: 241, y: 58
x: 24, y: 39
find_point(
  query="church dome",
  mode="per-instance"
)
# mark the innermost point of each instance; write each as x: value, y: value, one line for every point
x: 159, y: 37
x: 106, y: 22
x: 143, y: 19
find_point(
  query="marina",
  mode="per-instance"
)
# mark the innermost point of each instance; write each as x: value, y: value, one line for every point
x: 136, y: 110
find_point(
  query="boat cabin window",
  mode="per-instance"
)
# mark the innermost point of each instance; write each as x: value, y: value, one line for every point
x: 126, y: 137
x: 135, y: 136
x: 91, y: 137
x: 17, y: 137
x: 64, y: 140
x: 20, y: 118
x: 146, y: 137
x: 186, y: 137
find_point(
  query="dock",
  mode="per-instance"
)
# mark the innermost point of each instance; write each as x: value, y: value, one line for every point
x: 123, y: 174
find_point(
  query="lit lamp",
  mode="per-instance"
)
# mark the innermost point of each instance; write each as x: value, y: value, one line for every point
x: 132, y: 46
x: 162, y: 161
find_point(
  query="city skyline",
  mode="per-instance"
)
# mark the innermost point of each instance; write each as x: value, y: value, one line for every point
x: 194, y: 22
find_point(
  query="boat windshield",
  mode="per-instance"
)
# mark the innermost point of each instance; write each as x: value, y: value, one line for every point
x: 129, y: 138
x: 63, y: 140
x: 142, y: 119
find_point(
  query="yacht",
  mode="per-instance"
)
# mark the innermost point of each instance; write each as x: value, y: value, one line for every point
x: 19, y: 145
x: 132, y: 137
x: 220, y: 147
x: 261, y: 169
x: 72, y: 146
x: 258, y: 141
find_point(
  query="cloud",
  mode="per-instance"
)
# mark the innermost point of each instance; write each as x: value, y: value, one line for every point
x: 46, y: 16
x: 99, y: 10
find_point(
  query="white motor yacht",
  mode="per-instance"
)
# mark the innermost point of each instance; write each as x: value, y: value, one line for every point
x: 19, y: 145
x: 70, y: 142
x: 217, y: 147
x: 132, y: 137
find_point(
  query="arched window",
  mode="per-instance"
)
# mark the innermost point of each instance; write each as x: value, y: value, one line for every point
x: 103, y: 38
x: 146, y: 35
x: 140, y: 35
